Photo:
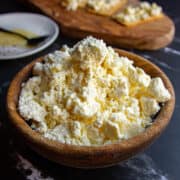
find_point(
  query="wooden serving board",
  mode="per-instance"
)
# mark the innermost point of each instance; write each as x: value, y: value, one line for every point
x: 151, y: 35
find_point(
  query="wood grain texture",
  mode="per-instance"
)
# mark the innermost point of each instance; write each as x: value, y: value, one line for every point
x: 83, y: 156
x: 151, y: 35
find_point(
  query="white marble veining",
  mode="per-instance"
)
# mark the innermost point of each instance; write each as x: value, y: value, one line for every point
x: 145, y: 168
x: 171, y: 50
x: 23, y: 165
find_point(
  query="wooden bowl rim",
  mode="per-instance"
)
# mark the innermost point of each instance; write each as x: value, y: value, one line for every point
x: 35, y: 139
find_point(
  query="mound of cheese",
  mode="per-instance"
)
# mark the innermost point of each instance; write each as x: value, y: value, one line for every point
x: 89, y: 95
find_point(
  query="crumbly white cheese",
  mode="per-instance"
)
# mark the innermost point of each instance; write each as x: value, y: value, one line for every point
x: 73, y: 4
x: 96, y: 5
x: 138, y: 76
x: 135, y: 14
x: 149, y: 106
x: 101, y: 5
x: 89, y: 95
x: 158, y: 90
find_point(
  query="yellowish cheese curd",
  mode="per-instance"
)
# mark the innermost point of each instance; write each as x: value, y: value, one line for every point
x: 89, y: 95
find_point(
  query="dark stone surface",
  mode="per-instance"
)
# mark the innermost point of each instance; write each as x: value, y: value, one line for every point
x: 160, y: 162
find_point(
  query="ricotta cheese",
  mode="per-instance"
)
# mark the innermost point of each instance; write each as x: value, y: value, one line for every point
x: 89, y: 95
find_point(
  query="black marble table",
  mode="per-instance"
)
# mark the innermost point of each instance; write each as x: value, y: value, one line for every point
x: 161, y: 161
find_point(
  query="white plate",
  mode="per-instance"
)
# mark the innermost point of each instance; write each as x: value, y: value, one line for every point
x: 35, y: 23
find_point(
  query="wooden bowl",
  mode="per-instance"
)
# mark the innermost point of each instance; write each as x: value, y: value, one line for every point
x: 83, y: 156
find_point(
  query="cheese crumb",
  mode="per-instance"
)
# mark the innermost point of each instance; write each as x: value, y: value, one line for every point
x: 158, y: 90
x: 102, y: 5
x: 149, y: 106
x: 73, y: 4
